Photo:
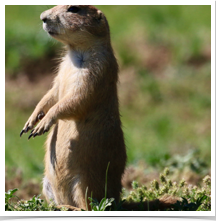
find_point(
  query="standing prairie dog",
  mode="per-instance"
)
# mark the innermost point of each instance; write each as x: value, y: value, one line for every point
x: 81, y: 110
x: 82, y: 113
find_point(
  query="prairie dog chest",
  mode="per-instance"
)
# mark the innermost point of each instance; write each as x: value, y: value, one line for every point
x: 72, y: 73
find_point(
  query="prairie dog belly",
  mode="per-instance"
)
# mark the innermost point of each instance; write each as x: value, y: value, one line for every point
x: 59, y: 142
x: 59, y: 150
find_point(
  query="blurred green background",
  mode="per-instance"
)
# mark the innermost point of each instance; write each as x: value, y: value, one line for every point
x: 164, y: 53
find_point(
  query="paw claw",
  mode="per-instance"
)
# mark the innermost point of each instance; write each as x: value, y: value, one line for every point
x: 21, y: 133
x: 27, y: 129
x: 36, y: 134
x: 45, y: 131
x: 30, y: 136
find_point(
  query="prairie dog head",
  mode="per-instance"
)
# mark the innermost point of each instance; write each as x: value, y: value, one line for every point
x: 75, y: 24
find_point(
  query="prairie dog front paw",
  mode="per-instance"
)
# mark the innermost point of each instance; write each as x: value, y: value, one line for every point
x: 43, y: 126
x: 32, y: 121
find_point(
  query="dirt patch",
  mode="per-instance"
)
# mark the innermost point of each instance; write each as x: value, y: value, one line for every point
x: 137, y: 174
x: 144, y: 175
x: 153, y: 57
x: 22, y: 87
x: 200, y: 59
x: 14, y: 179
x: 128, y: 86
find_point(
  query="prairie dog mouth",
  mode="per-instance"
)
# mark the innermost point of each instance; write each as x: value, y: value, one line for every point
x: 49, y: 30
x: 52, y: 33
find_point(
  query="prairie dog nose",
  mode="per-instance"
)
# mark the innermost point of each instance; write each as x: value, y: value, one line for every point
x: 43, y: 17
x: 44, y: 20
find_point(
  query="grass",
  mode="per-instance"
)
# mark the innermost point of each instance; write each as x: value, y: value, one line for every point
x: 22, y: 46
x: 165, y: 82
x: 169, y: 115
x: 190, y: 198
x: 20, y: 153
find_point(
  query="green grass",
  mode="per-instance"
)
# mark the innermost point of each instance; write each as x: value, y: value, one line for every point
x: 170, y: 115
x: 189, y: 198
x: 21, y: 153
x: 24, y: 37
x: 168, y: 110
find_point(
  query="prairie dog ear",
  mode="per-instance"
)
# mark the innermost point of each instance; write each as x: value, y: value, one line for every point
x: 99, y: 15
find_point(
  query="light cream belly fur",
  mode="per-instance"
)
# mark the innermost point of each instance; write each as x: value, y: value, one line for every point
x: 62, y: 169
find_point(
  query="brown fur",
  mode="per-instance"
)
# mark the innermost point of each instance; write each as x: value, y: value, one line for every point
x: 81, y: 111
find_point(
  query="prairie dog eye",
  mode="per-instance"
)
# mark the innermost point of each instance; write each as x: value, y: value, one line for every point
x: 73, y: 9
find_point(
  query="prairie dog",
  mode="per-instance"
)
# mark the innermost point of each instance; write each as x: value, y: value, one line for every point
x: 81, y: 110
